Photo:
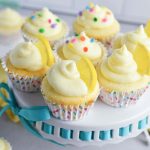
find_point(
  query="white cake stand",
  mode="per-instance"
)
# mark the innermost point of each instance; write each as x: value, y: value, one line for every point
x: 103, y: 124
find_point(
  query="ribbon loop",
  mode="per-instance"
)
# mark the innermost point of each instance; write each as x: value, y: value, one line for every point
x: 26, y: 115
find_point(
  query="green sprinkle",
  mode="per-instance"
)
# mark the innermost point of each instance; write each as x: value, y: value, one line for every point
x: 76, y: 34
x: 40, y: 15
x: 41, y: 30
x: 95, y: 19
x: 58, y: 20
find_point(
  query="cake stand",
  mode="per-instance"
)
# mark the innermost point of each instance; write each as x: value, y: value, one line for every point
x: 103, y: 124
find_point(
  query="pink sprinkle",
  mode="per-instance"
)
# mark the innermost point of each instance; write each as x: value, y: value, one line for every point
x: 49, y: 20
x: 73, y: 40
x: 92, y: 10
x: 104, y: 19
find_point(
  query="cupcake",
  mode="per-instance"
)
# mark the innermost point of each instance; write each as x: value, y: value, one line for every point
x: 80, y: 46
x: 27, y: 64
x: 70, y: 88
x: 10, y: 25
x: 121, y: 84
x: 97, y: 22
x: 131, y: 39
x: 4, y: 144
x: 45, y: 23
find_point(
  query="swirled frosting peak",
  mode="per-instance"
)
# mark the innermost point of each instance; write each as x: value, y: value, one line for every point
x: 43, y: 22
x: 26, y: 56
x: 10, y: 18
x: 64, y: 78
x: 120, y: 67
x: 4, y: 144
x: 95, y: 16
x: 81, y: 45
x: 131, y: 39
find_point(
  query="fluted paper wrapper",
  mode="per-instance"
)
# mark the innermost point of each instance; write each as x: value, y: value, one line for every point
x: 121, y: 99
x: 68, y: 112
x: 22, y: 83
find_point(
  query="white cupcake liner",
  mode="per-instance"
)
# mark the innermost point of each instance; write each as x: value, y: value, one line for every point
x: 121, y: 99
x: 27, y: 37
x: 23, y: 83
x: 61, y: 42
x: 68, y: 112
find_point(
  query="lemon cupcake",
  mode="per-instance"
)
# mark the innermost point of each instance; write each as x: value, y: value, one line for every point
x: 97, y: 22
x: 10, y: 25
x: 121, y: 84
x: 131, y: 39
x: 28, y: 63
x: 80, y: 46
x: 4, y: 144
x: 45, y: 23
x: 70, y: 88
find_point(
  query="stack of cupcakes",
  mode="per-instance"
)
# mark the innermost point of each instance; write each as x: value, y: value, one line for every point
x: 78, y: 70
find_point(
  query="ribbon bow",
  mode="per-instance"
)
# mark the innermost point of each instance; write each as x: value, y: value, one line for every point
x: 26, y: 115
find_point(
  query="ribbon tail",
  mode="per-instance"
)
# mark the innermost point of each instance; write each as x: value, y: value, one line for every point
x: 4, y: 109
x: 34, y: 131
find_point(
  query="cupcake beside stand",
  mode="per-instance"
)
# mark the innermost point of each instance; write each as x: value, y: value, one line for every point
x: 103, y: 124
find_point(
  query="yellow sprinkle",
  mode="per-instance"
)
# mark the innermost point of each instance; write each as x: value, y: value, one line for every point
x: 91, y: 4
x: 70, y: 45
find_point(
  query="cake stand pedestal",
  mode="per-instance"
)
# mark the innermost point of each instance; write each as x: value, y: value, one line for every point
x: 103, y: 124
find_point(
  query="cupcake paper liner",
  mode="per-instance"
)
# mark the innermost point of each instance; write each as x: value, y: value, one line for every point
x: 23, y: 83
x: 61, y: 42
x: 68, y: 112
x: 121, y: 99
x: 27, y: 37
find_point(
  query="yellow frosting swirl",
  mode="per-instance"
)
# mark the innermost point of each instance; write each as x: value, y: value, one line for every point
x: 4, y: 145
x: 44, y: 22
x: 64, y: 78
x: 120, y: 67
x: 95, y: 16
x: 10, y: 18
x: 82, y: 46
x: 26, y: 56
x: 131, y: 39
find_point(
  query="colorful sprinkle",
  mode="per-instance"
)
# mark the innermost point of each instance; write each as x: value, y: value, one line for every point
x: 92, y: 10
x: 58, y: 20
x: 91, y: 5
x: 73, y: 40
x: 80, y: 13
x: 76, y: 34
x: 67, y: 41
x: 95, y: 19
x: 104, y: 20
x: 92, y: 40
x: 41, y: 30
x: 53, y: 25
x: 49, y: 20
x: 40, y: 15
x: 82, y: 38
x: 32, y: 17
x: 87, y: 8
x: 85, y: 49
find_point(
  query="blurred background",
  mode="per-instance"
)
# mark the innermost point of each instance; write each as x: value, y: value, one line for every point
x: 130, y: 13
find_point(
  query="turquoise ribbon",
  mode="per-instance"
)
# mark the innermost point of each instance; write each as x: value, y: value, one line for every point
x: 26, y: 115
